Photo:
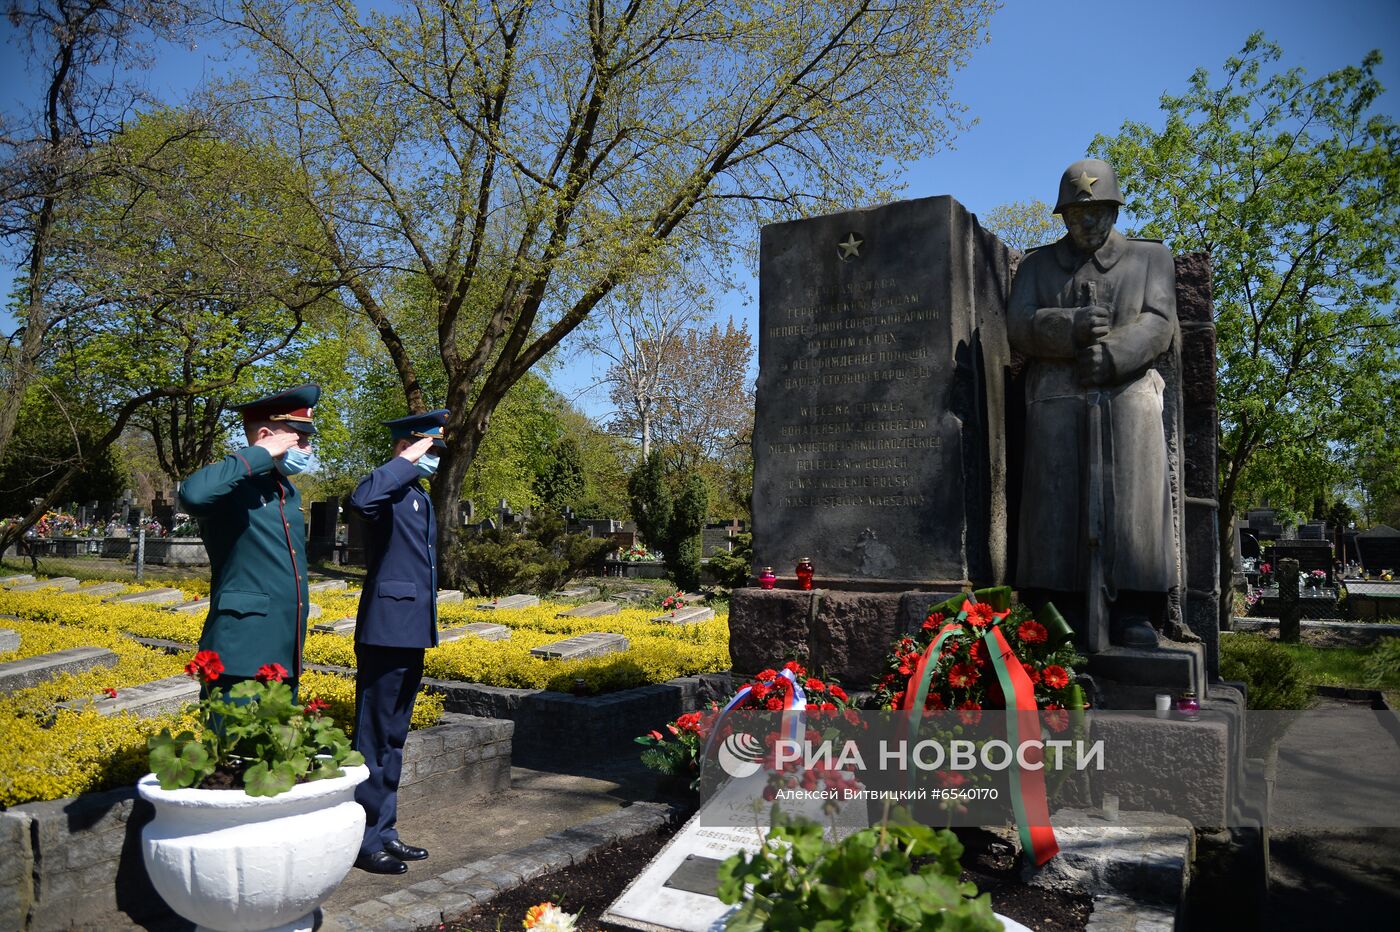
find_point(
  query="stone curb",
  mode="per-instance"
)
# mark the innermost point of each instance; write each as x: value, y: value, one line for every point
x: 456, y: 892
x: 1114, y: 913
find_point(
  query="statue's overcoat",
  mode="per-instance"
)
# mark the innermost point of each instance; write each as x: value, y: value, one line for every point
x: 1135, y: 280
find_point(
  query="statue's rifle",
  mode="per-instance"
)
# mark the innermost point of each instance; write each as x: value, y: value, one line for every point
x: 1095, y: 589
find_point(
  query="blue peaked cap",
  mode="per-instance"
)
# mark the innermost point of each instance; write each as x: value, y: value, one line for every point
x: 418, y: 426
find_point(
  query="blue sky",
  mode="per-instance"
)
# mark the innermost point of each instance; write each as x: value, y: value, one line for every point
x: 1051, y: 77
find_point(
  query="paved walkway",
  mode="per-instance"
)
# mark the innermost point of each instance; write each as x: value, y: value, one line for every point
x: 1330, y: 869
x: 537, y: 804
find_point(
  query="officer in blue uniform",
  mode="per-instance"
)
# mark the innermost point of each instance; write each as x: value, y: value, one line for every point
x: 397, y: 622
x: 250, y: 518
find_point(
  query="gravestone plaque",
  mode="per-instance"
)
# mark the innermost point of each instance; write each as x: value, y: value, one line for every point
x: 1379, y: 548
x: 879, y: 446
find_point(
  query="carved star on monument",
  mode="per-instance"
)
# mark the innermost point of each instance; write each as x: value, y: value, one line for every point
x: 850, y: 246
x: 1085, y: 182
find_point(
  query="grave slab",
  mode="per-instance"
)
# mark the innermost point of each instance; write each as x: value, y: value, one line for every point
x: 18, y: 580
x: 327, y: 585
x: 590, y: 610
x: 149, y: 597
x: 189, y: 608
x: 577, y: 592
x: 146, y: 700
x: 9, y: 640
x: 510, y: 601
x: 313, y: 610
x: 449, y: 596
x: 106, y: 588
x: 686, y: 616
x: 339, y: 626
x: 31, y: 671
x: 477, y: 629
x: 66, y: 583
x: 593, y: 644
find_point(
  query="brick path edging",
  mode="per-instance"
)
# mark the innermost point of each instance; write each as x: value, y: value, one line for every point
x: 457, y: 892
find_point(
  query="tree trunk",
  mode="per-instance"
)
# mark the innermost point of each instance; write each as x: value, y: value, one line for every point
x: 36, y: 322
x: 1225, y: 518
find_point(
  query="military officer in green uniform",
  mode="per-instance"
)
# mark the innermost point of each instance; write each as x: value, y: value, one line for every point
x: 250, y: 518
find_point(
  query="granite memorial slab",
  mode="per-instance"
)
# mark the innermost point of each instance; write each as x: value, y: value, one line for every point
x: 31, y: 671
x: 327, y: 585
x: 484, y: 630
x: 579, y: 647
x: 879, y: 441
x: 510, y: 601
x: 684, y: 616
x: 105, y: 588
x: 146, y: 700
x: 190, y: 607
x: 65, y: 583
x: 339, y: 626
x: 17, y: 580
x: 9, y: 640
x: 147, y: 597
x: 577, y: 592
x: 449, y: 596
x: 313, y: 610
x: 590, y: 610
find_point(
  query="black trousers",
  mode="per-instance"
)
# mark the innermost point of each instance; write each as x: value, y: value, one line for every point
x: 386, y: 685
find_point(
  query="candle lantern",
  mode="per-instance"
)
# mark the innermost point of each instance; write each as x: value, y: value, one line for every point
x: 766, y: 579
x: 1188, y: 705
x: 805, y: 573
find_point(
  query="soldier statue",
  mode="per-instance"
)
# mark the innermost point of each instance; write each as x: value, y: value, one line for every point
x: 1092, y: 312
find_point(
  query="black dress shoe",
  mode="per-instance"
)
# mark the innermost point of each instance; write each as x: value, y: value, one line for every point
x: 381, y: 862
x: 405, y: 852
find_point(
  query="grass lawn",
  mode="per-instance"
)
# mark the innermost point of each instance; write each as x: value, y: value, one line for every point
x: 1338, y: 666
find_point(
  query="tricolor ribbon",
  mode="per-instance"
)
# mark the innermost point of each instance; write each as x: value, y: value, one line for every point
x: 794, y: 709
x: 1028, y: 797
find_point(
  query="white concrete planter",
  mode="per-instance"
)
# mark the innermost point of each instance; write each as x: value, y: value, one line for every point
x: 237, y: 863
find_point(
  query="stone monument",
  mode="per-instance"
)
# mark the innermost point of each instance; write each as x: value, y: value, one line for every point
x: 879, y: 434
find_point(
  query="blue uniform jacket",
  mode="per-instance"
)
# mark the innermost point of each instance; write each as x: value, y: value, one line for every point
x: 398, y: 607
x: 250, y: 519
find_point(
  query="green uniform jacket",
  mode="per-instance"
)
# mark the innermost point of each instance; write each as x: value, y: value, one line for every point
x: 250, y: 519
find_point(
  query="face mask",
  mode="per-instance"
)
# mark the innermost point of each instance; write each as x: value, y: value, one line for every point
x: 293, y: 461
x: 427, y: 464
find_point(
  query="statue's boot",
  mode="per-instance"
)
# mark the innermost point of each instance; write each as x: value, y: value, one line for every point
x: 1134, y: 631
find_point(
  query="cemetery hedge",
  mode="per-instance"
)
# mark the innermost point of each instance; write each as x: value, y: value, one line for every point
x: 47, y: 753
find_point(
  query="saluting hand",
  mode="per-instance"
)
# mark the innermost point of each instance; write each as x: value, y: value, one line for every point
x: 415, y: 451
x: 279, y: 443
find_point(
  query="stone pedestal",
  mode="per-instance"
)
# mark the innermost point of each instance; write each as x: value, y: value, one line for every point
x: 843, y: 635
x: 1129, y: 677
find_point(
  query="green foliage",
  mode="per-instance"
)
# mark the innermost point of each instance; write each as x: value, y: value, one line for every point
x: 1273, y: 677
x: 560, y: 482
x: 54, y: 425
x: 1292, y: 184
x: 541, y: 558
x: 259, y: 736
x: 734, y: 570
x: 866, y: 882
x: 1024, y: 224
x: 1383, y: 664
x: 671, y: 520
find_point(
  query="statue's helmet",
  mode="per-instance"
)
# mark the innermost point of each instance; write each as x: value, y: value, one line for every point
x: 1088, y: 181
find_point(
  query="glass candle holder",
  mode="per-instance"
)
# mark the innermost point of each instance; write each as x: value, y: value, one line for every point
x: 766, y: 579
x: 1188, y: 706
x: 805, y: 572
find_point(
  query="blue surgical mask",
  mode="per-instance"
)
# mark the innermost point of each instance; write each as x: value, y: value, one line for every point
x: 427, y: 464
x: 293, y: 461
